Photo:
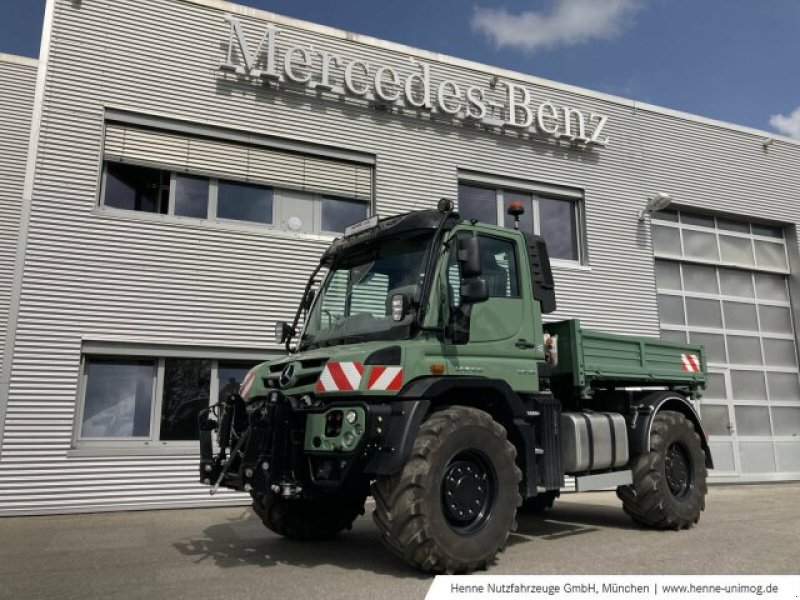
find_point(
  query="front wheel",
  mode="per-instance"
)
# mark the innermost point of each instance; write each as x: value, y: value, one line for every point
x: 454, y: 504
x: 669, y: 482
x: 305, y: 519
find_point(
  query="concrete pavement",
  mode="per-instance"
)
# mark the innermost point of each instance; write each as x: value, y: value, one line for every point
x: 227, y: 553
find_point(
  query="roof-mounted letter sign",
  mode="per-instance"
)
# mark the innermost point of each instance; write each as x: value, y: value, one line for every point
x: 504, y: 106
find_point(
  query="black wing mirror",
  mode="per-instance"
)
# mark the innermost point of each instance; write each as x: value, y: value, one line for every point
x: 474, y: 290
x: 469, y: 256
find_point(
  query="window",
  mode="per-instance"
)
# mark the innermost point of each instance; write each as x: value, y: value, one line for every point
x: 338, y: 213
x: 137, y: 188
x: 192, y: 171
x: 243, y: 202
x: 477, y: 203
x: 146, y: 189
x: 118, y: 398
x: 498, y: 268
x: 186, y: 392
x: 230, y: 375
x: 555, y: 219
x: 150, y: 399
x: 191, y: 196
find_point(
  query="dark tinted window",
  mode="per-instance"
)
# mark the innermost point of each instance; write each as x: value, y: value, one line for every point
x: 191, y: 196
x: 118, y: 398
x: 136, y: 188
x: 558, y: 228
x: 338, y: 213
x: 477, y: 203
x: 231, y: 374
x: 186, y: 393
x: 244, y: 202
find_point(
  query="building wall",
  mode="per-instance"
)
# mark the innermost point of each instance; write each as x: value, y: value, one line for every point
x: 18, y: 76
x: 93, y: 276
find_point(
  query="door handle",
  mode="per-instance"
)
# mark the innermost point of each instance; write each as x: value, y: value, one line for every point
x: 524, y: 344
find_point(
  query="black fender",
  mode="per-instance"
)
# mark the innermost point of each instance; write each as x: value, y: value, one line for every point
x: 651, y: 404
x: 424, y: 394
x: 404, y: 418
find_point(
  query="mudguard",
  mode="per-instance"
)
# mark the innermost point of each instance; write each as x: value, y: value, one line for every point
x: 421, y: 395
x: 405, y: 417
x: 652, y: 404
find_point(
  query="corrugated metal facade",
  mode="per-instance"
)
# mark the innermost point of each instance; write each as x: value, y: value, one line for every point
x: 92, y: 275
x: 18, y: 76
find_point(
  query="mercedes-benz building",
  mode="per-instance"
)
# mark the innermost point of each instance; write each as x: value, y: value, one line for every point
x: 171, y: 170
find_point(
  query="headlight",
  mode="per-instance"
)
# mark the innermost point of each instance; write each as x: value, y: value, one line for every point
x: 351, y: 417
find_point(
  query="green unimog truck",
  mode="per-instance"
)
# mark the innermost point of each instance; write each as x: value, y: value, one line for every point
x: 424, y: 375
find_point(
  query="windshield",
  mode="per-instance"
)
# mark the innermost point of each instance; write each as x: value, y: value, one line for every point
x: 354, y: 304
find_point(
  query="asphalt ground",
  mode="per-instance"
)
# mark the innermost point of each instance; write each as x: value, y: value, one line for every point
x: 226, y: 553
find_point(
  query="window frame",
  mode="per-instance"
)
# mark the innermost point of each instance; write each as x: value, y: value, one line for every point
x: 93, y: 446
x: 536, y: 190
x: 211, y: 218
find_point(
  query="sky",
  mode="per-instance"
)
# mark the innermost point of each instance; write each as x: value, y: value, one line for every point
x: 732, y: 60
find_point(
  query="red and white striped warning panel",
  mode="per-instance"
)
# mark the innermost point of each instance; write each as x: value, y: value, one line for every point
x: 690, y: 362
x: 340, y: 377
x: 247, y: 383
x: 385, y: 379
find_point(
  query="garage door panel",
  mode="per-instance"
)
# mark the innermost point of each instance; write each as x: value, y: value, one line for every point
x: 728, y: 291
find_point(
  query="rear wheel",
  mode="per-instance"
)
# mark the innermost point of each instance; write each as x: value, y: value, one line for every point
x: 669, y: 482
x: 454, y: 504
x: 310, y: 519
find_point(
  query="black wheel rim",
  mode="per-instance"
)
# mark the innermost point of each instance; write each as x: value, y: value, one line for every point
x: 468, y: 492
x: 678, y: 470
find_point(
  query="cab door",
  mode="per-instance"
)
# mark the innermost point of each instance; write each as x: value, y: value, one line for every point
x: 502, y: 342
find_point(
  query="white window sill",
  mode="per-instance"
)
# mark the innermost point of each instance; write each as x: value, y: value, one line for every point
x: 568, y: 265
x: 217, y: 224
x: 100, y: 449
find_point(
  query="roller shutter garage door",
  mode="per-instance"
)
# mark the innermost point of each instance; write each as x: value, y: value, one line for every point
x: 724, y: 284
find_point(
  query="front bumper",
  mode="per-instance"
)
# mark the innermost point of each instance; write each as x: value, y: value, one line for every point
x: 278, y: 444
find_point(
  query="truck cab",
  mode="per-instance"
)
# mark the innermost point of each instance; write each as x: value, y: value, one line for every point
x: 420, y: 371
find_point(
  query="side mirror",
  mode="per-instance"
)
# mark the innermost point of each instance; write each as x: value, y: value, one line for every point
x: 283, y: 331
x: 474, y: 290
x: 469, y: 257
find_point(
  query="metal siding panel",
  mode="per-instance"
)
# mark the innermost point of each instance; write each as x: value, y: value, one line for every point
x: 17, y: 86
x: 94, y: 274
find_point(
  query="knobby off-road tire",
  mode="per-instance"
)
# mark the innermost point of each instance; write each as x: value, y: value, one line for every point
x: 669, y: 482
x: 540, y: 502
x: 453, y: 505
x: 307, y: 520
